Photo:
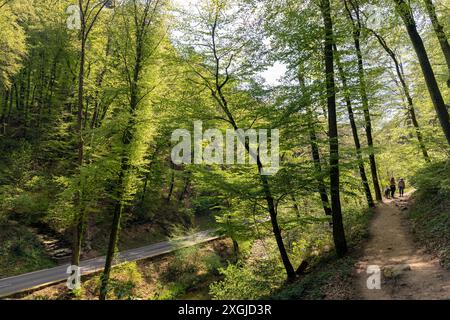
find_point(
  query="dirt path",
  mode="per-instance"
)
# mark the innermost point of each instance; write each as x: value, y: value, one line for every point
x: 407, y: 272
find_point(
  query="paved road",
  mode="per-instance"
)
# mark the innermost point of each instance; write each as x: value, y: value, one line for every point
x: 32, y: 280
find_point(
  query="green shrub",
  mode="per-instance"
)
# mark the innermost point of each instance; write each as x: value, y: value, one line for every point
x: 315, y: 285
x: 186, y: 261
x: 240, y: 283
x: 212, y: 263
x: 20, y: 251
x: 123, y: 282
x: 431, y: 209
x: 434, y: 179
x: 170, y: 292
x: 30, y: 207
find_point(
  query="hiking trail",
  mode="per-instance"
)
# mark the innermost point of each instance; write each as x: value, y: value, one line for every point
x: 407, y: 271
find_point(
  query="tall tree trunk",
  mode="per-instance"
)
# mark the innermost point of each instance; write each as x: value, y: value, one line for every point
x: 172, y: 183
x: 436, y: 96
x: 409, y: 100
x: 315, y: 153
x: 363, y: 92
x: 27, y: 97
x: 17, y: 95
x: 4, y: 107
x: 290, y: 272
x: 41, y: 89
x: 114, y: 235
x: 86, y: 27
x: 275, y: 226
x: 442, y: 37
x: 79, y: 215
x: 127, y: 139
x: 152, y: 158
x: 296, y: 207
x: 338, y: 226
x: 218, y: 95
x: 100, y: 79
x: 183, y: 193
x: 267, y: 193
x: 11, y: 102
x: 318, y: 164
x: 120, y: 202
x: 351, y: 116
x: 52, y: 81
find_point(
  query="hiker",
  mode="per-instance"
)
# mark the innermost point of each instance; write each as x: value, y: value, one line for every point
x: 387, y: 192
x: 401, y: 187
x: 393, y: 186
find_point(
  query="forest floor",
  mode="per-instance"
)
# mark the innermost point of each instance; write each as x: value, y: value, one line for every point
x: 407, y: 270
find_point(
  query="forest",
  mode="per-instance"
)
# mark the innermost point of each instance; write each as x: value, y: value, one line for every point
x: 114, y: 119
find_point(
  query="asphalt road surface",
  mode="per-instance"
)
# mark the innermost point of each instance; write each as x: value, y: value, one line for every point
x: 33, y: 280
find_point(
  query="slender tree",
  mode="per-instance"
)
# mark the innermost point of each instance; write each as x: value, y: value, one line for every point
x: 89, y: 14
x: 436, y: 96
x: 351, y: 116
x: 221, y: 61
x: 411, y: 108
x: 144, y: 16
x: 338, y: 227
x: 315, y: 153
x: 357, y: 27
x: 439, y: 30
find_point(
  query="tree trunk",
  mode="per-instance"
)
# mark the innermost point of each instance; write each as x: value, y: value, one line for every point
x: 52, y: 81
x: 296, y: 207
x: 318, y: 168
x: 267, y: 194
x: 114, y: 235
x: 363, y: 92
x: 127, y: 139
x: 235, y: 250
x: 100, y: 79
x: 411, y: 109
x: 11, y: 101
x: 185, y: 188
x: 430, y: 79
x: 338, y: 226
x: 172, y: 182
x: 222, y: 102
x: 351, y: 116
x: 4, y: 107
x: 275, y: 227
x: 79, y: 219
x: 315, y: 151
x: 17, y: 95
x: 27, y: 98
x: 442, y: 37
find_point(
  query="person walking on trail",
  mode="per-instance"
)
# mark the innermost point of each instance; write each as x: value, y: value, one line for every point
x: 387, y: 192
x: 393, y: 187
x: 401, y: 187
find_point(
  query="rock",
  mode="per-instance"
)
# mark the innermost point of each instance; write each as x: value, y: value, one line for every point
x: 61, y: 253
x: 52, y: 247
x: 49, y: 242
x: 395, y: 271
